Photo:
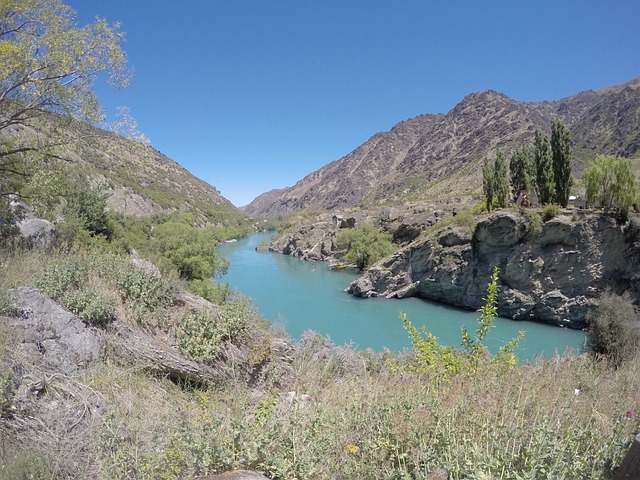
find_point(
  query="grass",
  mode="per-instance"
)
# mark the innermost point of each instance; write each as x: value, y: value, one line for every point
x: 319, y: 411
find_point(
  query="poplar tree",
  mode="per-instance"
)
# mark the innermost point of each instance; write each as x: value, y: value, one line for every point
x: 543, y: 167
x: 501, y: 181
x: 562, y: 164
x: 488, y: 180
x: 520, y: 171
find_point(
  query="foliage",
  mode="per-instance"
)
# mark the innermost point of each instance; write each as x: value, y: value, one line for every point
x: 520, y: 170
x: 534, y: 223
x: 364, y: 245
x: 501, y: 181
x: 88, y: 205
x: 127, y: 127
x: 48, y: 63
x: 488, y: 182
x: 561, y: 159
x: 550, y: 211
x: 495, y: 183
x: 202, y: 335
x: 612, y: 182
x: 173, y: 242
x: 430, y: 356
x: 92, y: 284
x: 614, y: 329
x: 543, y: 166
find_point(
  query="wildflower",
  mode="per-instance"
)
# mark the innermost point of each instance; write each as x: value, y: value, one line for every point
x: 630, y: 414
x: 352, y: 449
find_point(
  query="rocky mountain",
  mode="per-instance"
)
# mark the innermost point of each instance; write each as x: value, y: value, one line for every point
x: 141, y: 180
x: 437, y: 156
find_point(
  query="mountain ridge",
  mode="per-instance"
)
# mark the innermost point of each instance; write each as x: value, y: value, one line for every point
x: 432, y: 155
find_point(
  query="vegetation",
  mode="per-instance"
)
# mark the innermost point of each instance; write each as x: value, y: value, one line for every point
x: 562, y: 163
x: 496, y: 182
x: 364, y: 245
x: 520, y: 170
x: 47, y: 63
x: 614, y: 330
x: 611, y: 181
x: 543, y: 164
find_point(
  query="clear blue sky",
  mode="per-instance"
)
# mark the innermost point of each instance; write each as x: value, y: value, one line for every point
x: 254, y: 95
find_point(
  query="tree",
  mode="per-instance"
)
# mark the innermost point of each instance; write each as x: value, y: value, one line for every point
x: 488, y: 181
x: 364, y: 245
x: 501, y: 181
x: 543, y: 167
x: 520, y: 171
x: 561, y: 159
x: 611, y: 181
x: 47, y: 63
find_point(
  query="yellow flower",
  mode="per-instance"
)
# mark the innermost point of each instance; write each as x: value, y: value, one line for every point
x: 352, y: 449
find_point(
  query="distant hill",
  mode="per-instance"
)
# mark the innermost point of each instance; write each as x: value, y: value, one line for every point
x: 439, y: 156
x: 141, y: 180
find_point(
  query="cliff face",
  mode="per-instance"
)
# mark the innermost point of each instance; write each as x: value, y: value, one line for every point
x: 552, y: 275
x: 439, y: 156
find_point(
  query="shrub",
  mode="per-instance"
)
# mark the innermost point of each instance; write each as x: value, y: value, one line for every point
x: 534, y: 223
x: 201, y: 335
x: 614, y: 329
x: 364, y: 245
x: 550, y: 211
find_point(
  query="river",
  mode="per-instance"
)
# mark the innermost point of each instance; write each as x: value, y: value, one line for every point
x: 304, y: 296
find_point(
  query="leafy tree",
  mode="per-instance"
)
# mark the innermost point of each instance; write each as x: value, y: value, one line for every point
x: 501, y: 181
x: 88, y: 205
x: 364, y: 245
x: 543, y: 167
x: 520, y: 171
x: 562, y: 164
x: 48, y: 63
x: 488, y: 182
x: 611, y: 181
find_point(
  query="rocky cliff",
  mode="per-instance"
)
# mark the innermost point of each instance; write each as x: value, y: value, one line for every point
x: 439, y: 156
x: 550, y: 271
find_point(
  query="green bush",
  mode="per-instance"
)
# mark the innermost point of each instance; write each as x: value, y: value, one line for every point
x: 91, y: 306
x: 614, y: 329
x: 364, y: 245
x: 202, y: 335
x: 90, y: 284
x: 550, y: 211
x: 534, y: 223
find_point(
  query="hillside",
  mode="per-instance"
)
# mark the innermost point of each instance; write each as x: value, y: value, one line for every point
x: 434, y: 156
x: 141, y: 180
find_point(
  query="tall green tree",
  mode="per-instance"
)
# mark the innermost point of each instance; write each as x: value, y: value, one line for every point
x: 47, y: 63
x: 501, y: 180
x: 488, y: 182
x: 612, y: 182
x: 543, y: 167
x: 561, y: 152
x: 520, y: 171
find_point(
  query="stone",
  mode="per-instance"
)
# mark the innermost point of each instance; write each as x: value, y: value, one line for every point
x: 37, y: 233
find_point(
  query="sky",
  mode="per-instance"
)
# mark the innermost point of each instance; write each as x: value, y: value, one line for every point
x: 251, y: 95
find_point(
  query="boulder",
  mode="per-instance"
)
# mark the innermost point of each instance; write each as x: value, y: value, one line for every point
x: 37, y: 233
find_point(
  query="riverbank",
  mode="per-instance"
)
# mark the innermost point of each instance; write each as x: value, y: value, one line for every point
x: 303, y: 296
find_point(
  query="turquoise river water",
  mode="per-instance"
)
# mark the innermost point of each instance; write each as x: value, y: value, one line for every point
x: 308, y: 296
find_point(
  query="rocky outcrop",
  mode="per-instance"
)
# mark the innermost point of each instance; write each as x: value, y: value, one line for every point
x: 552, y: 275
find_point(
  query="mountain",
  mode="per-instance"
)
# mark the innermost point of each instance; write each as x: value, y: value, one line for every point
x: 438, y: 156
x: 141, y: 180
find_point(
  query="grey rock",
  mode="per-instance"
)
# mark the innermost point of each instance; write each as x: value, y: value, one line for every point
x: 37, y: 232
x: 554, y: 277
x: 62, y: 339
